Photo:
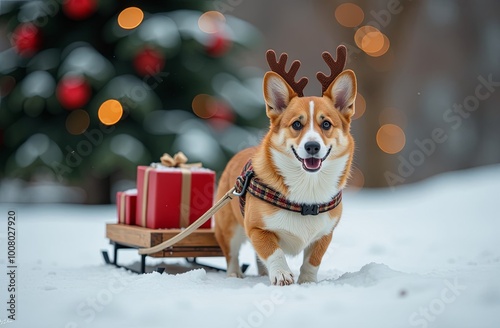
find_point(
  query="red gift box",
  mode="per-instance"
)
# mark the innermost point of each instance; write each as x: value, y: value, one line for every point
x: 126, y: 206
x: 169, y: 198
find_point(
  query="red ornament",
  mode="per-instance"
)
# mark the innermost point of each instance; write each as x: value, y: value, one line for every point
x: 149, y: 62
x: 26, y: 39
x: 218, y: 45
x: 73, y: 92
x: 79, y: 9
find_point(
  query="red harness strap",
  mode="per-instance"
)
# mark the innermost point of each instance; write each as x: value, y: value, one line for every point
x: 247, y: 181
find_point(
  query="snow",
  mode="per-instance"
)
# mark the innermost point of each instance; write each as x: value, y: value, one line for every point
x: 424, y: 255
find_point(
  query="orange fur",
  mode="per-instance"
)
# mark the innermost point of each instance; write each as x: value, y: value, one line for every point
x: 319, y: 249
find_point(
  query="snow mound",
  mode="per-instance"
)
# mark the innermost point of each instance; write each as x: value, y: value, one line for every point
x: 369, y: 275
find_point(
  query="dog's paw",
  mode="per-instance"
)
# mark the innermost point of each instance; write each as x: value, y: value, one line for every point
x: 281, y: 278
x: 305, y: 278
x: 235, y: 274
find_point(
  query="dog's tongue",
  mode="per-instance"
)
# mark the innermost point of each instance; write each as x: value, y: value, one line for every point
x: 312, y: 163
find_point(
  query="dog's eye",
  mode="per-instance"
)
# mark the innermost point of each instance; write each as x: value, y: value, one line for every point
x: 297, y: 125
x: 326, y: 125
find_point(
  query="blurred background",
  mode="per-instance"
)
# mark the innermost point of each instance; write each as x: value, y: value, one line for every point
x: 89, y: 89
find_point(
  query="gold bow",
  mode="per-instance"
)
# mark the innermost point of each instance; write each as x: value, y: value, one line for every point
x: 179, y: 160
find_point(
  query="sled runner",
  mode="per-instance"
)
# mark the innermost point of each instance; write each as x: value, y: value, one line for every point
x: 200, y: 243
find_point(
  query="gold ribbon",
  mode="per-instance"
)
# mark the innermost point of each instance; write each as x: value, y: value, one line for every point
x: 179, y: 160
x: 145, y: 196
x: 185, y: 197
x: 122, y: 207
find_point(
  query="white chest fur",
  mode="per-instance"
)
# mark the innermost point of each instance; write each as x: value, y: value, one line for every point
x: 296, y: 231
x: 310, y: 188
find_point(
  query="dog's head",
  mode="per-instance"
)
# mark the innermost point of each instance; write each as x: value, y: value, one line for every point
x: 307, y: 131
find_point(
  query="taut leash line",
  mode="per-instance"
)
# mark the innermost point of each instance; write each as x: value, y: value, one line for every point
x: 191, y: 228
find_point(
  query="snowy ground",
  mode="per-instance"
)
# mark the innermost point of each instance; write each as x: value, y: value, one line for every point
x: 426, y: 255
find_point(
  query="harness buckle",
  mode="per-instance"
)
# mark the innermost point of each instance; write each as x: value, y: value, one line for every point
x: 248, y: 177
x: 310, y: 209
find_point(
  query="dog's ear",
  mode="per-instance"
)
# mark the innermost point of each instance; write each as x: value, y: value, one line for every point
x: 343, y: 91
x: 277, y: 94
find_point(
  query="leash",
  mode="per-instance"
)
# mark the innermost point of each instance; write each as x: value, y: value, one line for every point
x: 195, y: 225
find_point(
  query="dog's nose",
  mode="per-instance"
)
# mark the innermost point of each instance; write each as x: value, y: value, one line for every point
x: 312, y: 147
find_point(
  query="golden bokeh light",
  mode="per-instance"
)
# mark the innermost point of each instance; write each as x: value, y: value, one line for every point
x: 372, y: 42
x: 394, y: 116
x: 391, y: 138
x: 349, y: 15
x: 77, y: 122
x: 130, y: 18
x: 383, y: 49
x: 202, y: 105
x: 110, y: 112
x: 211, y: 22
x: 359, y: 106
x: 356, y: 180
x: 362, y: 32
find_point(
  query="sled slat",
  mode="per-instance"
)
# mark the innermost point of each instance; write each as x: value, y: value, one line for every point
x: 201, y: 243
x: 128, y: 235
x: 189, y: 252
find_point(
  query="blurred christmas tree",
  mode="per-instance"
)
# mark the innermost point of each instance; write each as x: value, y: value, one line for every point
x: 92, y: 88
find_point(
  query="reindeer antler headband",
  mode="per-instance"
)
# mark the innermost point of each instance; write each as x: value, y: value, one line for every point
x: 336, y: 67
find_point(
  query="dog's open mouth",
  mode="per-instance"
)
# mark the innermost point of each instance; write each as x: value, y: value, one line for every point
x: 311, y: 164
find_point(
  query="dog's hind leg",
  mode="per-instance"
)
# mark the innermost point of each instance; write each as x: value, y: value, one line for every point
x: 233, y: 264
x: 230, y: 235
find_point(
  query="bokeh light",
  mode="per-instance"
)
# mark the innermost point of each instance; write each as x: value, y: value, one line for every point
x: 34, y: 106
x: 128, y: 147
x: 359, y: 106
x: 39, y: 83
x: 349, y: 15
x: 211, y: 22
x: 77, y: 122
x: 371, y: 41
x: 32, y: 149
x: 202, y: 105
x: 385, y: 44
x: 110, y: 112
x: 362, y: 32
x: 130, y: 18
x: 391, y: 138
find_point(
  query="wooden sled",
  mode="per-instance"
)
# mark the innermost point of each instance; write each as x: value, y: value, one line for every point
x: 201, y: 243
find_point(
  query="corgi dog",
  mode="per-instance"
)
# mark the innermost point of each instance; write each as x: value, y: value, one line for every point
x: 303, y: 161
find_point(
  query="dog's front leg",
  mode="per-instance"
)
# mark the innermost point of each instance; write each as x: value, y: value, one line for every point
x: 312, y: 259
x: 266, y: 244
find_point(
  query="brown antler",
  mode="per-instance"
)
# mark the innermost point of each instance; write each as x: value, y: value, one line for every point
x: 279, y: 67
x: 336, y: 67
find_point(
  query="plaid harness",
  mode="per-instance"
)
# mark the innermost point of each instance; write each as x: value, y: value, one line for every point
x: 247, y: 181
